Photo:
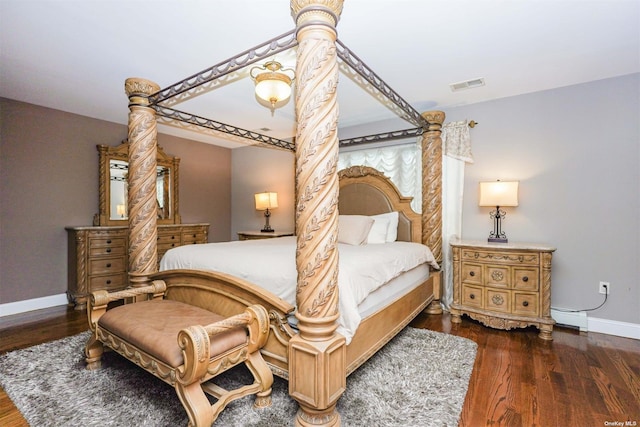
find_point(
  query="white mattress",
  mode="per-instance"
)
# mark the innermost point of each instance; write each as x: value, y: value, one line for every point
x: 270, y: 264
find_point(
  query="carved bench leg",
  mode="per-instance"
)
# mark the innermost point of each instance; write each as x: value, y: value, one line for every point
x: 196, y: 404
x: 93, y: 351
x: 263, y: 375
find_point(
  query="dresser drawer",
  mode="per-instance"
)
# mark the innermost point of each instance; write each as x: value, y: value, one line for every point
x: 472, y: 295
x: 106, y: 266
x: 109, y: 282
x: 471, y: 273
x: 525, y: 279
x: 102, y: 251
x: 525, y: 304
x: 168, y: 239
x: 190, y: 238
x: 106, y: 241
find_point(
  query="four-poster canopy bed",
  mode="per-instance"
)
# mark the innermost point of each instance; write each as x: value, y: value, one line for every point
x: 315, y: 358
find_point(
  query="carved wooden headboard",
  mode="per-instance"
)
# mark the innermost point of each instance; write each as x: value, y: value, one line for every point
x: 367, y: 191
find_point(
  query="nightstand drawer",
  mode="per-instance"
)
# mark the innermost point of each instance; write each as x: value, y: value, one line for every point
x: 472, y: 295
x: 525, y: 279
x: 498, y: 276
x: 498, y: 300
x: 525, y: 303
x: 498, y: 257
x: 472, y: 273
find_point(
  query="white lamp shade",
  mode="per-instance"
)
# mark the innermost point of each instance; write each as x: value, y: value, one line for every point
x: 499, y: 193
x: 120, y: 209
x: 266, y: 200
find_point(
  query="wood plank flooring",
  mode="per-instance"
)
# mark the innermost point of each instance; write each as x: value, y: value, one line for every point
x: 578, y: 379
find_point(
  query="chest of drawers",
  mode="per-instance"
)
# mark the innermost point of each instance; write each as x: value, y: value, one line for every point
x: 98, y: 256
x: 503, y: 286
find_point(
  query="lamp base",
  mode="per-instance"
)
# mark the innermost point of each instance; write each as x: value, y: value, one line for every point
x: 497, y: 240
x: 270, y: 230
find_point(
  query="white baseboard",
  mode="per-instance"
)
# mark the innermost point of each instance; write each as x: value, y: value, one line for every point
x: 32, y: 304
x: 576, y: 319
x: 613, y: 327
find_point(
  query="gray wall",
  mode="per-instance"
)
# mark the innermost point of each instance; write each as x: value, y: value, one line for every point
x: 49, y: 180
x: 576, y: 153
x: 258, y: 169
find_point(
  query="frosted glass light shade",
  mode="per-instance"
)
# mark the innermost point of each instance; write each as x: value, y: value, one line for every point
x: 272, y: 88
x: 266, y: 200
x: 499, y: 193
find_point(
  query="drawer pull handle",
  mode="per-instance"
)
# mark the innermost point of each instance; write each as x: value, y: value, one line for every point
x: 525, y: 279
x: 109, y: 265
x: 108, y: 250
x: 173, y: 245
x: 473, y: 273
x: 108, y: 282
x: 497, y: 300
x: 173, y: 237
x: 525, y: 303
x: 109, y: 241
x: 194, y: 235
x: 472, y: 296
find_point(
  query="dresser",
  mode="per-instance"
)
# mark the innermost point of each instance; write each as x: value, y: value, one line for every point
x: 255, y: 235
x: 503, y: 285
x: 98, y: 256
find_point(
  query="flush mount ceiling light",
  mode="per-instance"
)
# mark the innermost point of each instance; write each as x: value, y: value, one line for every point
x: 273, y: 83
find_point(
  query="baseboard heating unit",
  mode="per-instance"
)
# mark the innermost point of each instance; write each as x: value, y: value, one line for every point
x: 574, y: 319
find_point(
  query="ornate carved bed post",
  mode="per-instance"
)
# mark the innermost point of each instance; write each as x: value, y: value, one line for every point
x: 143, y: 253
x: 317, y: 356
x: 432, y: 196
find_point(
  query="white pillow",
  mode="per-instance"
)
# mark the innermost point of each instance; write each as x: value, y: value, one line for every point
x: 354, y: 229
x: 392, y: 230
x: 378, y: 232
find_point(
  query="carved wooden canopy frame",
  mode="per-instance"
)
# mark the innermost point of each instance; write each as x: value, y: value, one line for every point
x: 317, y: 348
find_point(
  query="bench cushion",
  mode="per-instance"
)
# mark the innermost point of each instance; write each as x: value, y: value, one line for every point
x: 153, y: 326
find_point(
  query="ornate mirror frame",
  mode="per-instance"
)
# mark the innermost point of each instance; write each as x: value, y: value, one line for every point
x: 168, y: 171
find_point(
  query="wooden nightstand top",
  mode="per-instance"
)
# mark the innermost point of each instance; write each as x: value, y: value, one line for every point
x: 247, y: 235
x: 483, y: 244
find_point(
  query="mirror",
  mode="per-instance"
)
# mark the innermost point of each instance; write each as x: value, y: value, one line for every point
x: 114, y: 168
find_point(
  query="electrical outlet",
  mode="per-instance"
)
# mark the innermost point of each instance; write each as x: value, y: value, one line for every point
x: 605, y: 288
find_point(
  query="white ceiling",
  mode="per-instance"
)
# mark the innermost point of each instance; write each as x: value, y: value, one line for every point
x: 75, y: 55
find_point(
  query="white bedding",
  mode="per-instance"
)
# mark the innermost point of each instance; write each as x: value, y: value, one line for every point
x: 270, y: 264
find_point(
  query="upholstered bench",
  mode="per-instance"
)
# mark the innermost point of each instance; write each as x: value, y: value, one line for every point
x: 184, y: 345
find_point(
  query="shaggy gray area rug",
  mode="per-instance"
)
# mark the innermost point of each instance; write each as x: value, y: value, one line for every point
x: 419, y: 379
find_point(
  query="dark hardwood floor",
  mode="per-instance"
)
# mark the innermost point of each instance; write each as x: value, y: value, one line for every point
x: 579, y: 379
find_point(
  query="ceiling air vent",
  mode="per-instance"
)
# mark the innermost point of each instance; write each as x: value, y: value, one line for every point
x: 468, y: 84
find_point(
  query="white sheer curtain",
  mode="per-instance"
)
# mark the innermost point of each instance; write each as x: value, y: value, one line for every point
x: 456, y: 150
x: 403, y: 165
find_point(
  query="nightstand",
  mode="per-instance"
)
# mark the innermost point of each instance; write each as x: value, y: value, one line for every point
x: 254, y: 235
x: 503, y: 285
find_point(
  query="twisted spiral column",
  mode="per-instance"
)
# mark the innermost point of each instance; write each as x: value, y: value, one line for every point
x: 143, y: 253
x: 317, y: 348
x: 432, y: 195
